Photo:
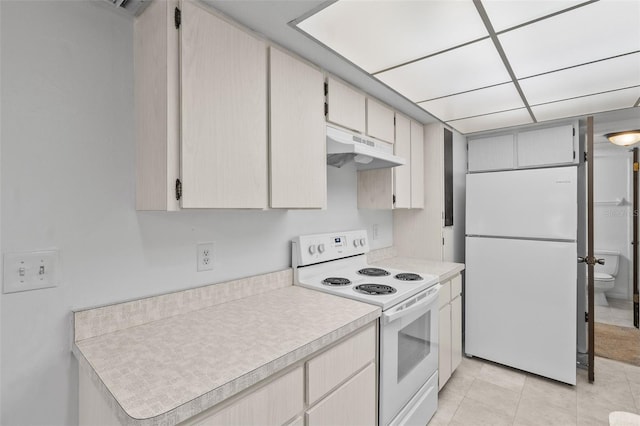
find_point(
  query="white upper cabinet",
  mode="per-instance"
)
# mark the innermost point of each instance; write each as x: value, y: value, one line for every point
x: 521, y: 149
x: 298, y: 174
x: 201, y: 111
x: 346, y: 106
x: 417, y: 165
x: 380, y: 121
x: 224, y: 113
x: 402, y: 176
x: 491, y: 153
x: 556, y: 145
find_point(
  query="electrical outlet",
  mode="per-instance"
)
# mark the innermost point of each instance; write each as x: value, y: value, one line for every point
x: 205, y: 256
x: 30, y: 270
x: 374, y: 232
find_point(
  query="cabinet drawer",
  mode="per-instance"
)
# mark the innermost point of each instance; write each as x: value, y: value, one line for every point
x: 456, y: 286
x: 354, y: 403
x: 272, y: 404
x: 334, y: 366
x: 445, y: 294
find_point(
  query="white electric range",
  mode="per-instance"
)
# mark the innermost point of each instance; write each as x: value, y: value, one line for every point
x: 336, y: 263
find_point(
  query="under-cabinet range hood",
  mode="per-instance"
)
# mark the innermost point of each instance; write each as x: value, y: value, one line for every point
x: 367, y: 153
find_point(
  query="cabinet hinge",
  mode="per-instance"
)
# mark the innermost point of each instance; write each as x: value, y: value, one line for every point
x: 574, y: 131
x: 326, y: 88
x: 178, y: 189
x: 585, y: 157
x: 574, y: 155
x: 177, y: 17
x: 586, y: 317
x: 326, y: 109
x: 442, y: 240
x: 393, y: 199
x: 636, y: 166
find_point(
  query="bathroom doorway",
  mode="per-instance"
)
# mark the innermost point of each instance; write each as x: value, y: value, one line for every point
x: 615, y: 236
x: 613, y: 227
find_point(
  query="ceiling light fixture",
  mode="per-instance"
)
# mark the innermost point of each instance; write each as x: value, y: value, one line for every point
x: 628, y: 137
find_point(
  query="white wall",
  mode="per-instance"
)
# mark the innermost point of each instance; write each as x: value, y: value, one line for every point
x: 612, y: 223
x: 67, y: 175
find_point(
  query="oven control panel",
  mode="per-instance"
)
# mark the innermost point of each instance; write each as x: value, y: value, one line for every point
x: 310, y: 249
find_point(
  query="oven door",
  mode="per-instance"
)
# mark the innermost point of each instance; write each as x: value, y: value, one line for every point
x: 408, y: 350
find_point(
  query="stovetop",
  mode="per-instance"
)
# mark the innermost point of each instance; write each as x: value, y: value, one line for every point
x: 337, y: 264
x: 341, y: 278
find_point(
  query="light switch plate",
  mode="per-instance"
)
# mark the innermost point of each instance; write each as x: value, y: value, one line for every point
x: 30, y: 270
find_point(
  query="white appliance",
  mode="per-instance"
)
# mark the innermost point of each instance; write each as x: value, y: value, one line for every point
x: 521, y: 270
x: 366, y: 152
x: 336, y: 263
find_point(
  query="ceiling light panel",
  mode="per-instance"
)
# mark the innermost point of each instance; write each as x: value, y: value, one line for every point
x: 603, y: 76
x: 591, y: 32
x: 492, y: 121
x: 587, y: 105
x: 477, y: 102
x: 376, y: 35
x: 507, y: 14
x: 466, y: 68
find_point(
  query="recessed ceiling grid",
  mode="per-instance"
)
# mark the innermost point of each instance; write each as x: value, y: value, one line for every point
x: 485, y: 64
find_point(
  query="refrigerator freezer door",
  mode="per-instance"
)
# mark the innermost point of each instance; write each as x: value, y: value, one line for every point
x: 521, y: 304
x: 537, y: 203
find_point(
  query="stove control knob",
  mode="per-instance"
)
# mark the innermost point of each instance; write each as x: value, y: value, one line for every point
x: 312, y: 249
x: 355, y: 243
x: 321, y: 248
x: 362, y: 241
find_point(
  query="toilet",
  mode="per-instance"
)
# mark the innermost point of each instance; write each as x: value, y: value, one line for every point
x: 604, y: 275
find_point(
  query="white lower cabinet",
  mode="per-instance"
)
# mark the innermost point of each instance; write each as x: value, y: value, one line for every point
x: 353, y: 403
x: 273, y: 404
x: 450, y: 338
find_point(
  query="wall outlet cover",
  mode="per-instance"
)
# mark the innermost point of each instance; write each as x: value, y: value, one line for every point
x: 204, y: 256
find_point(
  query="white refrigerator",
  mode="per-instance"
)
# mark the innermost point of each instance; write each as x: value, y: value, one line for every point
x: 521, y: 270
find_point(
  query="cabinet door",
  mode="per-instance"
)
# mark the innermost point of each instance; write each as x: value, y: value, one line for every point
x: 456, y: 332
x: 224, y: 113
x: 353, y: 403
x: 491, y: 153
x: 546, y: 147
x: 346, y: 106
x: 417, y: 165
x: 273, y: 404
x: 375, y: 189
x: 444, y: 351
x: 298, y: 163
x: 402, y: 176
x: 380, y: 121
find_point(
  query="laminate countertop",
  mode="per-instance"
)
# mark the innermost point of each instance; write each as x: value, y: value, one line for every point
x: 444, y: 270
x: 167, y: 371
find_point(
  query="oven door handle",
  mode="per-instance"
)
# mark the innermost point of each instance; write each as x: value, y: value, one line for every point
x: 404, y: 310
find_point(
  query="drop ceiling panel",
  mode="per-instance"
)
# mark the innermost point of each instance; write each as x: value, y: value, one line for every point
x: 592, y: 32
x: 470, y: 67
x: 584, y: 80
x: 587, y: 105
x: 492, y: 121
x: 376, y: 35
x: 468, y: 104
x: 507, y: 14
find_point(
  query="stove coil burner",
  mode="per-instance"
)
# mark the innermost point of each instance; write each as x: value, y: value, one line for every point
x: 375, y: 289
x: 373, y: 272
x: 336, y: 281
x: 407, y: 276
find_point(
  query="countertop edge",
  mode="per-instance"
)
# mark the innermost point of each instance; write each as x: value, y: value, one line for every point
x: 227, y: 390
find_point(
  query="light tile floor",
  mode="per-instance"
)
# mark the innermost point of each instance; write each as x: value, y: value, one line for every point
x: 483, y: 393
x: 619, y: 312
